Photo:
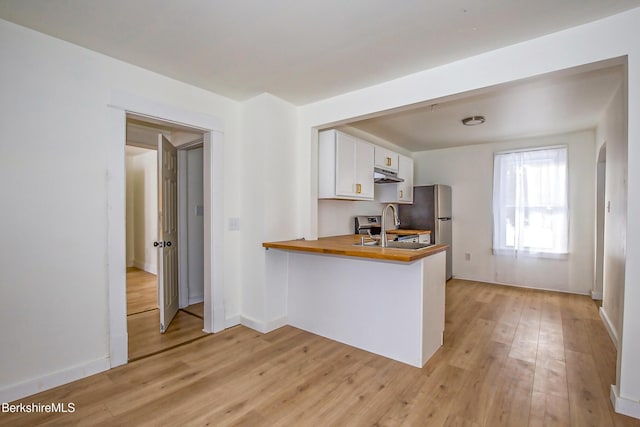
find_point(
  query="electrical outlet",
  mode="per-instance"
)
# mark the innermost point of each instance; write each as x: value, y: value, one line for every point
x: 467, y: 256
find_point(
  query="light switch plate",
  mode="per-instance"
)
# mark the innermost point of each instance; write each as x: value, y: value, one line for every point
x: 234, y: 224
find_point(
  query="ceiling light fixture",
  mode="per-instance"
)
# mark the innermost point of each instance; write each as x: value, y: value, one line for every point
x: 473, y: 120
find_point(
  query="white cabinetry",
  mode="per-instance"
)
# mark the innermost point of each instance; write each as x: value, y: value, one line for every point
x: 424, y: 238
x: 386, y: 159
x: 405, y: 188
x: 345, y: 167
x: 401, y: 192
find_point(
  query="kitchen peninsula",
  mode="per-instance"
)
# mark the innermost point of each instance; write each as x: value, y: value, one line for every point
x: 384, y: 300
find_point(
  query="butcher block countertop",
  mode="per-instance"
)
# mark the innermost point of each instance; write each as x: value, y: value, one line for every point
x: 344, y: 246
x: 405, y: 232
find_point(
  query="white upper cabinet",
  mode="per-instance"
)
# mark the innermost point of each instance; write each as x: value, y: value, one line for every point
x: 386, y: 159
x: 401, y: 192
x: 345, y: 167
x: 405, y: 188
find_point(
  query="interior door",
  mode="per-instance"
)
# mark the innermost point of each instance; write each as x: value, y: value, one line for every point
x: 167, y: 231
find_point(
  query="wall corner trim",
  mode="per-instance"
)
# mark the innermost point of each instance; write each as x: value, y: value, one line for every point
x: 610, y: 329
x: 263, y: 327
x: 232, y: 321
x: 624, y: 406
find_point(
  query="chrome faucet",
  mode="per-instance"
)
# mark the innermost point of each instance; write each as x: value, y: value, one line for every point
x: 383, y: 232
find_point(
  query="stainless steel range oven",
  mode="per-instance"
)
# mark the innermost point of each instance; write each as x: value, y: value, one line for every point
x: 368, y: 224
x: 372, y: 225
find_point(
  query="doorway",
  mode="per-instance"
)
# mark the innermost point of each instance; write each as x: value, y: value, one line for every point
x: 148, y: 332
x: 121, y: 105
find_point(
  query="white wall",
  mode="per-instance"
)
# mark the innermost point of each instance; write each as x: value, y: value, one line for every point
x: 469, y: 171
x: 269, y: 202
x: 337, y: 217
x: 55, y: 123
x: 608, y: 38
x: 54, y: 120
x: 142, y: 225
x: 612, y: 131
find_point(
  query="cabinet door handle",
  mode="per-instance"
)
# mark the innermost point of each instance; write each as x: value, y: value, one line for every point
x: 358, y: 188
x: 401, y: 194
x: 388, y: 161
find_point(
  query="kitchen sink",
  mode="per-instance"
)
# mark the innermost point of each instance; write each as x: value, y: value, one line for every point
x: 396, y: 245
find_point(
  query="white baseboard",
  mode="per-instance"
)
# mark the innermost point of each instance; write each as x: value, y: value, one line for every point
x: 516, y: 285
x: 232, y: 321
x: 276, y: 324
x: 148, y: 267
x: 253, y: 324
x: 609, y: 327
x: 119, y: 350
x: 596, y: 295
x: 624, y: 406
x: 263, y: 327
x: 195, y: 299
x: 46, y: 382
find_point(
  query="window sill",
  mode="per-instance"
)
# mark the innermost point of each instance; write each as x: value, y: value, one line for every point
x: 529, y: 254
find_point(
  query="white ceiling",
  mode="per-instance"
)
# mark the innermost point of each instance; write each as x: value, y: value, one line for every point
x: 561, y: 102
x: 300, y: 51
x: 303, y: 51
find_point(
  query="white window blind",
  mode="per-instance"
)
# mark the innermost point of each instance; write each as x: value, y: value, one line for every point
x: 530, y: 208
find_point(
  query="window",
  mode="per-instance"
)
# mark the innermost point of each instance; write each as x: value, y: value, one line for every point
x: 530, y: 209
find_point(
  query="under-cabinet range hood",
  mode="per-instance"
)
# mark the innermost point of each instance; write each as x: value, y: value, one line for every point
x: 382, y: 176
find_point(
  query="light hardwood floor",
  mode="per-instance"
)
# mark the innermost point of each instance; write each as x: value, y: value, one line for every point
x: 196, y: 309
x: 512, y: 357
x: 144, y: 335
x: 142, y: 291
x: 143, y: 318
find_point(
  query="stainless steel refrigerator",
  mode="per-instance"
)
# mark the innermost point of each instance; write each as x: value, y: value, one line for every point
x: 431, y: 210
